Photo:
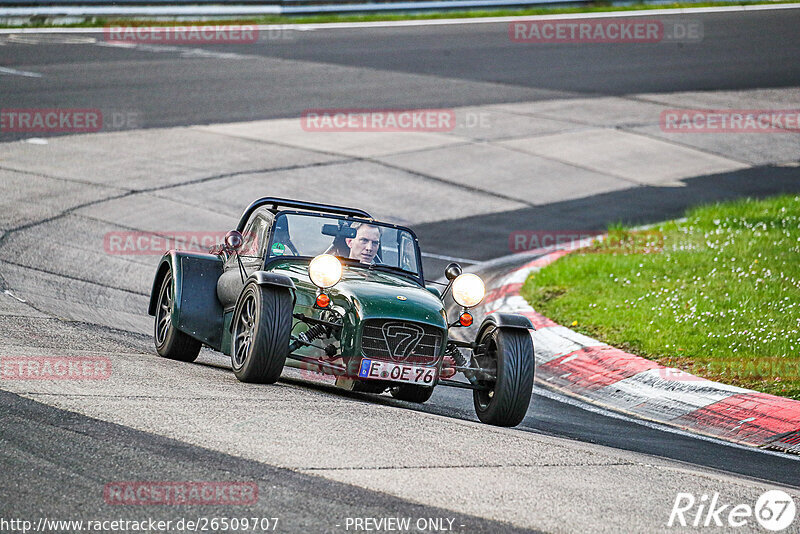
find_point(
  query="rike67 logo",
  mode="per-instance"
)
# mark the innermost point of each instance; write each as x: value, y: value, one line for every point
x: 774, y: 510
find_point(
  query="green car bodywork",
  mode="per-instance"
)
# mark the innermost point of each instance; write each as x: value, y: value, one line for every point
x: 361, y: 295
x: 378, y: 328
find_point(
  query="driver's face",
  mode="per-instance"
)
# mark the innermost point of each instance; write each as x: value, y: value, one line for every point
x: 364, y: 246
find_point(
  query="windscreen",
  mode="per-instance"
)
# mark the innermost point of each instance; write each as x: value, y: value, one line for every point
x: 366, y: 243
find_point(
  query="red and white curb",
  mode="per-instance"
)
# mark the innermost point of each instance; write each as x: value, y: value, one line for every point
x: 595, y: 372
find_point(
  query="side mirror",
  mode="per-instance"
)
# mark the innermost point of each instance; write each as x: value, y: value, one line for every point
x: 452, y: 271
x: 234, y: 240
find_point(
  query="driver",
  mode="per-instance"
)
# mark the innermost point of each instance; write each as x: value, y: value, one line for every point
x: 364, y: 246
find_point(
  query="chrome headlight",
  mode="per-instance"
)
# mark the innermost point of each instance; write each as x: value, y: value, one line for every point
x: 325, y: 271
x: 468, y: 290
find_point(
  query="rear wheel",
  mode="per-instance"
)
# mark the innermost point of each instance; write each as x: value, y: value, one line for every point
x: 411, y: 393
x: 262, y: 325
x: 170, y: 342
x: 505, y: 401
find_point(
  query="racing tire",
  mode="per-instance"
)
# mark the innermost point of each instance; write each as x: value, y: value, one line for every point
x: 411, y: 393
x: 510, y: 351
x: 260, y: 334
x: 170, y: 342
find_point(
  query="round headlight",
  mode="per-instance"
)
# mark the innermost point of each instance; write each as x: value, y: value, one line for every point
x: 468, y: 290
x: 325, y: 271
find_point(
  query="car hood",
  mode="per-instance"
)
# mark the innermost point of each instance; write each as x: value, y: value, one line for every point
x: 373, y: 299
x: 373, y: 294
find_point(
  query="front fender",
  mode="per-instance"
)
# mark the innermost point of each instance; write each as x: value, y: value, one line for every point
x: 266, y: 278
x: 196, y: 310
x: 163, y: 266
x: 504, y: 320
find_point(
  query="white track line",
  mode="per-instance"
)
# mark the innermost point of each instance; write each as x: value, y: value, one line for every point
x: 13, y: 296
x: 27, y: 74
x: 445, y: 22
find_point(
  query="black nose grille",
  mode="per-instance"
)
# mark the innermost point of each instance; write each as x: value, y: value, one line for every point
x: 401, y: 341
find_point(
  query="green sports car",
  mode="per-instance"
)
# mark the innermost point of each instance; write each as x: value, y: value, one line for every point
x: 331, y: 290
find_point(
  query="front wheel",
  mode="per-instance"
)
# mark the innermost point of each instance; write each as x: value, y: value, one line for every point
x: 509, y: 351
x: 411, y: 393
x: 170, y: 342
x: 262, y: 327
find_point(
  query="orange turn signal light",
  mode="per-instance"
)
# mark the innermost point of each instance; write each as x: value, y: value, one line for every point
x: 465, y: 319
x: 323, y: 300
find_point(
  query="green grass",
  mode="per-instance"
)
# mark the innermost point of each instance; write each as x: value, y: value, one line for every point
x: 718, y: 297
x: 597, y: 7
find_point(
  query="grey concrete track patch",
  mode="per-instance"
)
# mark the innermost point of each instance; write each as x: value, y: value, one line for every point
x: 358, y: 183
x: 39, y: 334
x: 750, y: 148
x: 632, y: 157
x: 80, y: 300
x: 13, y: 306
x: 503, y: 121
x: 606, y: 112
x: 144, y: 159
x: 150, y: 213
x: 87, y: 255
x: 764, y: 98
x: 354, y: 144
x: 30, y: 197
x: 513, y: 174
x: 640, y: 114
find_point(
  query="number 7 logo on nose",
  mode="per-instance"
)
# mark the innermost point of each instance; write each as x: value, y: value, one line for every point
x: 402, y: 338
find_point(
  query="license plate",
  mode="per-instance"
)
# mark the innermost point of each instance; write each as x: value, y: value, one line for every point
x: 396, y: 372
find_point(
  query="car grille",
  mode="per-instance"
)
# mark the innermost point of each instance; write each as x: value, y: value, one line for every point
x: 401, y: 341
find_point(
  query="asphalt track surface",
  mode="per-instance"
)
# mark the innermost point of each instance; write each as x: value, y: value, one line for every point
x: 49, y: 450
x: 470, y: 65
x: 287, y: 72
